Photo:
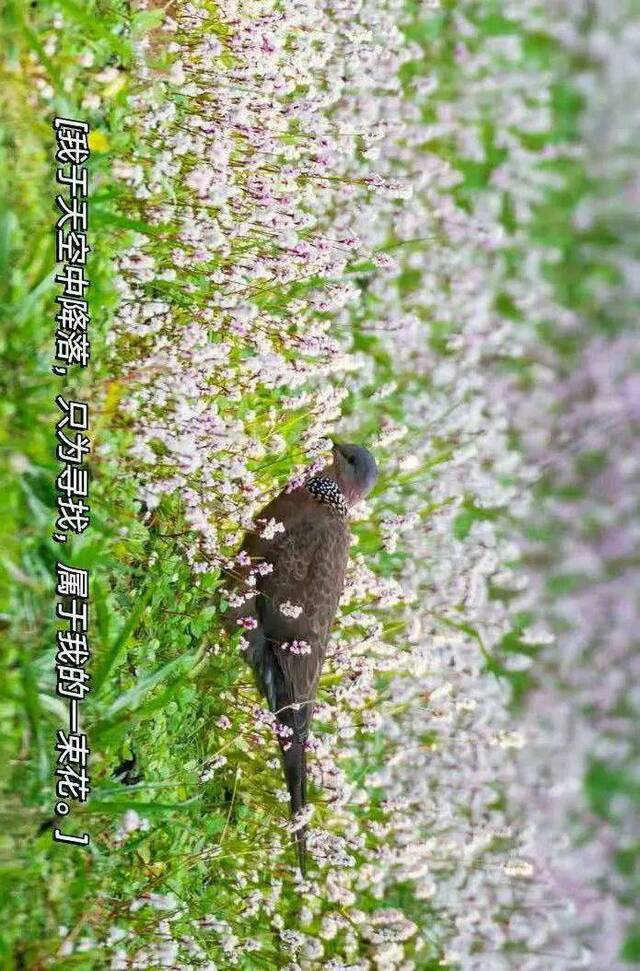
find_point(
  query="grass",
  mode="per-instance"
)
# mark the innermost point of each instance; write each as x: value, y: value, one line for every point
x: 161, y: 678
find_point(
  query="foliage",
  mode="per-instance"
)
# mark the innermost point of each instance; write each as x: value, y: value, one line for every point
x: 299, y: 220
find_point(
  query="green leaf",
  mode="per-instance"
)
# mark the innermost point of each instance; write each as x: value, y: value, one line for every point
x: 121, y: 641
x: 631, y: 947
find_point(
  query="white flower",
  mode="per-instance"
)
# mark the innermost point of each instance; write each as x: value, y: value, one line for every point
x: 289, y: 609
x: 271, y: 529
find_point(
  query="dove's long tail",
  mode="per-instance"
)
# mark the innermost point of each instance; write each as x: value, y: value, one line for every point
x: 295, y: 771
x: 293, y: 719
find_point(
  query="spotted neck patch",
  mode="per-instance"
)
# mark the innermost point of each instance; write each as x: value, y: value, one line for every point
x: 326, y: 490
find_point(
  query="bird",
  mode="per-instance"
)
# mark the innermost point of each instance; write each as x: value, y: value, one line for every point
x: 296, y: 561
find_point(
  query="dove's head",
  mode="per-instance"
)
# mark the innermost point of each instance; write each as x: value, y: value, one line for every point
x: 355, y: 471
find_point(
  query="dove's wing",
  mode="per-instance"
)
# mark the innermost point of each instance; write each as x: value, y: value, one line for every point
x: 309, y: 565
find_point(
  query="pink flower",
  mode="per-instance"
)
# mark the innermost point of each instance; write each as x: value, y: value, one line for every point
x: 249, y: 623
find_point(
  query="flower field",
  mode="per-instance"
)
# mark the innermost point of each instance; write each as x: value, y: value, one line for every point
x: 412, y: 225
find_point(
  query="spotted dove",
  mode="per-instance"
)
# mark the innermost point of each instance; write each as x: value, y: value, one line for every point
x: 288, y: 618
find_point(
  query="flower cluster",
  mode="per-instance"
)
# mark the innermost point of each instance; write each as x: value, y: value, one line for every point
x: 296, y: 647
x: 341, y: 229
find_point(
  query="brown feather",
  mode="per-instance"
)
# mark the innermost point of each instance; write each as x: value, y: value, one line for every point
x: 309, y: 563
